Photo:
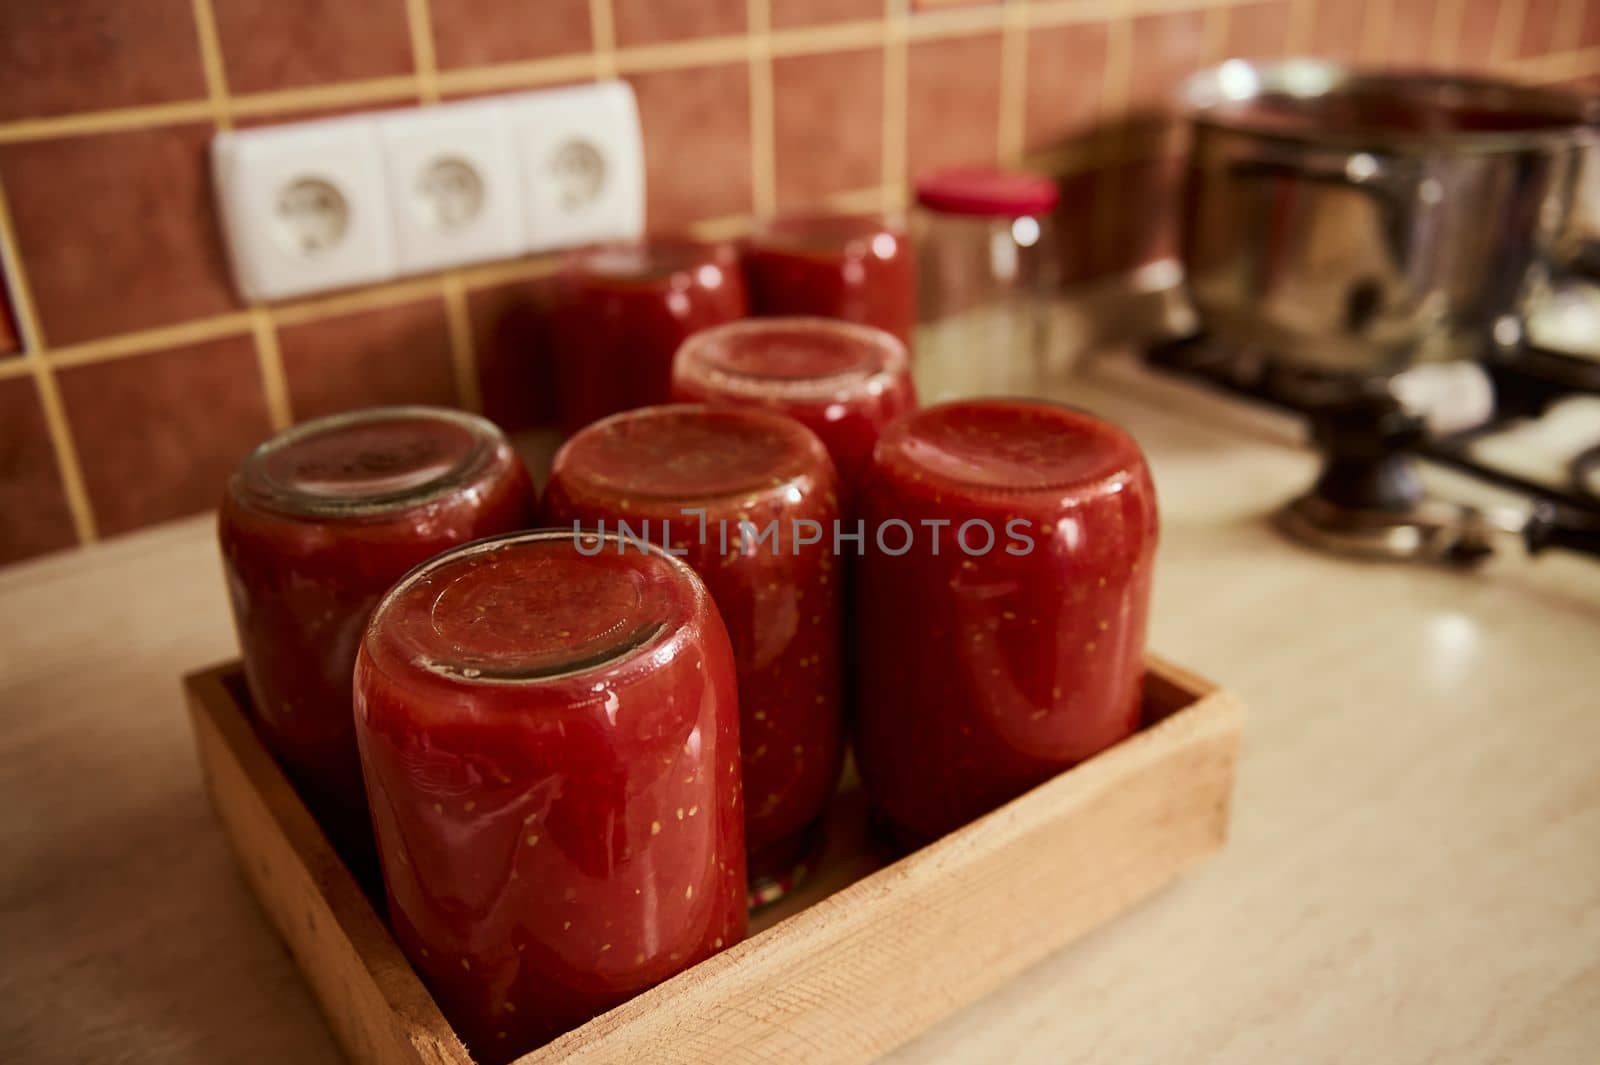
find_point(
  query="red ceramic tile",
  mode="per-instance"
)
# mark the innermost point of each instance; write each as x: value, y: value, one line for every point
x: 828, y: 123
x: 118, y: 231
x: 33, y: 506
x: 1066, y: 82
x: 1540, y: 19
x: 158, y: 434
x: 953, y: 103
x: 284, y: 44
x: 655, y: 21
x: 1475, y: 38
x: 391, y: 355
x: 1412, y: 37
x: 696, y: 143
x: 470, y: 33
x: 787, y: 14
x: 509, y: 338
x: 90, y: 55
x: 1337, y: 27
x: 1166, y: 49
x: 1258, y: 31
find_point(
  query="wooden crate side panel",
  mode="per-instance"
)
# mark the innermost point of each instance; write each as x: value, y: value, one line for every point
x: 865, y: 970
x: 372, y: 999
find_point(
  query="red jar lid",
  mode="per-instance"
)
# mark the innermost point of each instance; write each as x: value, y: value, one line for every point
x: 997, y: 193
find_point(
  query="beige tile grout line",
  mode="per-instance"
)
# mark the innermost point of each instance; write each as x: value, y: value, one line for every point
x: 33, y: 348
x: 1013, y: 82
x: 205, y: 28
x: 464, y: 356
x: 274, y: 382
x: 896, y: 71
x: 458, y: 322
x: 423, y: 63
x: 763, y: 116
x: 263, y: 332
x: 603, y: 38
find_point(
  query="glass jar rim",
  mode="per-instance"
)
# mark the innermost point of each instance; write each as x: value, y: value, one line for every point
x: 1107, y: 472
x: 696, y: 354
x: 255, y: 484
x: 637, y: 642
x: 783, y: 476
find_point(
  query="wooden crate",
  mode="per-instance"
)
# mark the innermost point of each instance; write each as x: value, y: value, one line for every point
x: 861, y: 959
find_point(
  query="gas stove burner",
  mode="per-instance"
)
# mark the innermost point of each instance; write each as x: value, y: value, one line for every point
x: 1430, y: 531
x: 1368, y: 500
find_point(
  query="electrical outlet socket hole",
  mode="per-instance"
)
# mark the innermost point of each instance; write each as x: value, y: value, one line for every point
x: 580, y: 173
x: 312, y: 215
x: 449, y: 194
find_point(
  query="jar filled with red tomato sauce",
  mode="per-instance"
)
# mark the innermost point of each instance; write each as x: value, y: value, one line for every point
x: 749, y: 499
x: 549, y: 728
x: 842, y: 381
x: 1002, y: 599
x: 314, y: 527
x: 619, y: 312
x: 858, y: 268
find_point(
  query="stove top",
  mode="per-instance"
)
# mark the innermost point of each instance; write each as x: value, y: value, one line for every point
x: 1528, y: 422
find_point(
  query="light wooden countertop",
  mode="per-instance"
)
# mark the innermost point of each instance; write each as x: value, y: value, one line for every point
x: 1414, y: 874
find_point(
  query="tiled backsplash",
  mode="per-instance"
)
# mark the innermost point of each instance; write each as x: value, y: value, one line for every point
x: 132, y: 378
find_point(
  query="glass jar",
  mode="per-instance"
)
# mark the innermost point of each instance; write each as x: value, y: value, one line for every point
x: 844, y: 382
x: 858, y: 268
x: 688, y: 477
x: 549, y: 728
x: 621, y: 310
x: 988, y: 284
x: 1002, y: 598
x: 314, y: 527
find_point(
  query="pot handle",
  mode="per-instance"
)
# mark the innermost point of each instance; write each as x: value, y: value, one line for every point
x: 1550, y: 526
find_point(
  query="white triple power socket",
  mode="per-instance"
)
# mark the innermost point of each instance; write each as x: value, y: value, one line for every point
x: 312, y: 206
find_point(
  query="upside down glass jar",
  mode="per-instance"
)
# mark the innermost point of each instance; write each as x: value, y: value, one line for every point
x: 314, y: 527
x: 844, y: 382
x: 689, y: 477
x: 988, y: 284
x: 1002, y: 600
x: 619, y: 313
x: 550, y: 733
x: 858, y: 268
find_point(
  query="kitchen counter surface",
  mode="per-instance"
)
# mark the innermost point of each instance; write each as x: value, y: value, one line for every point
x: 1414, y: 872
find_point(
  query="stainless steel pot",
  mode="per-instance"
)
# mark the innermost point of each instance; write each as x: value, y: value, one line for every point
x: 1358, y: 224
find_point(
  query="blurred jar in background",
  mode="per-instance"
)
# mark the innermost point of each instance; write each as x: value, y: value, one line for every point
x: 988, y: 281
x: 315, y: 526
x: 858, y: 268
x: 842, y: 381
x: 621, y: 310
